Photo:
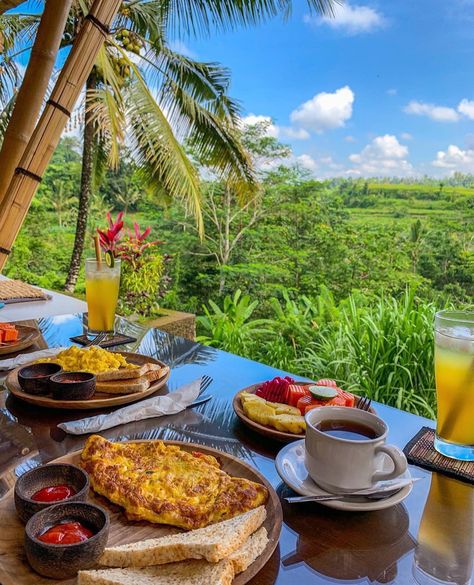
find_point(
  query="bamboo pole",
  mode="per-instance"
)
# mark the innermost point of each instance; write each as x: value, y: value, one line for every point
x: 48, y: 131
x: 9, y: 4
x: 33, y: 88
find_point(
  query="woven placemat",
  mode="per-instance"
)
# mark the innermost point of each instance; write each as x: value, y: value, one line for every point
x: 117, y: 339
x: 16, y: 291
x: 421, y: 451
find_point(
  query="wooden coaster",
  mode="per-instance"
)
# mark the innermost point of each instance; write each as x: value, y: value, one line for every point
x: 421, y: 451
x: 13, y: 291
x: 117, y: 339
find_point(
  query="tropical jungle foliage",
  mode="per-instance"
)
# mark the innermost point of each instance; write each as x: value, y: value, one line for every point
x: 333, y: 278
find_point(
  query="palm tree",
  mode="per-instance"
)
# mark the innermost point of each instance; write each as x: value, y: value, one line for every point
x: 62, y: 202
x: 142, y: 88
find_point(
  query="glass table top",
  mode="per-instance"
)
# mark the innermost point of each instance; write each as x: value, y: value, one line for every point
x: 427, y: 539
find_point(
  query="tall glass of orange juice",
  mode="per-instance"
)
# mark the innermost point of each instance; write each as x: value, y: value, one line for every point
x: 102, y: 289
x: 454, y: 370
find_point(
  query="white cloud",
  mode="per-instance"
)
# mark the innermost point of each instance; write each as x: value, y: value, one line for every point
x: 271, y: 130
x: 466, y: 107
x: 325, y: 110
x: 307, y: 162
x: 438, y: 113
x: 294, y: 133
x: 383, y: 156
x: 351, y: 19
x: 391, y: 91
x: 455, y: 159
x: 276, y: 131
x: 406, y: 136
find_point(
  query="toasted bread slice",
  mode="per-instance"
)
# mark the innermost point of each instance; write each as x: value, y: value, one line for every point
x: 127, y: 374
x: 185, y: 573
x: 132, y: 385
x: 244, y: 556
x: 213, y: 543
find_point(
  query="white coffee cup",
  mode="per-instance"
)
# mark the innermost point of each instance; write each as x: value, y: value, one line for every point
x: 344, y: 465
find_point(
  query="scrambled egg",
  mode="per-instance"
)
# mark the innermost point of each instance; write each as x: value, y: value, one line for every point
x: 94, y: 359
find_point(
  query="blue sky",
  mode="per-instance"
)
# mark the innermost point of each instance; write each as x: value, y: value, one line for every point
x: 386, y: 88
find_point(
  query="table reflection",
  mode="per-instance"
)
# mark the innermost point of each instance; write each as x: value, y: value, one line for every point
x: 348, y: 547
x: 445, y: 550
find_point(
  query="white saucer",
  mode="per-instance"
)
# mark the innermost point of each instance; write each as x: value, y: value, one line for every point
x: 292, y: 470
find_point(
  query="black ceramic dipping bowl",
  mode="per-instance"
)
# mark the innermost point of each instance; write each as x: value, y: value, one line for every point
x: 35, y: 379
x: 73, y: 385
x: 48, y: 475
x: 62, y: 561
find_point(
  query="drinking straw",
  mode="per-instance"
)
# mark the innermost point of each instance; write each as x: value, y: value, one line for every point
x: 97, y: 249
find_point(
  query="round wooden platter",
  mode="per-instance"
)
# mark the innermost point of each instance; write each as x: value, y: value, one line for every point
x: 100, y: 399
x: 14, y: 568
x: 264, y: 430
x: 26, y: 338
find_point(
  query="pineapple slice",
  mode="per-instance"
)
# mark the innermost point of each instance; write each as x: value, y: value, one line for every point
x: 289, y: 423
x: 249, y: 397
x: 284, y: 408
x: 258, y: 411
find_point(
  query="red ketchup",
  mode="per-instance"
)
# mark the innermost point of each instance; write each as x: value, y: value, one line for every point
x: 53, y: 493
x: 67, y: 533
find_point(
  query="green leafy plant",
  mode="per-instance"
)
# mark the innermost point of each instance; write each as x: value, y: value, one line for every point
x: 231, y: 328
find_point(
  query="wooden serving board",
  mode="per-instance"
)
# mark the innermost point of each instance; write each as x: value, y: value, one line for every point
x: 100, y: 399
x: 264, y: 430
x: 14, y: 568
x: 26, y: 338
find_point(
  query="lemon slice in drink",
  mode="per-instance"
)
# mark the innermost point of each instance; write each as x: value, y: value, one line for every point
x: 109, y: 258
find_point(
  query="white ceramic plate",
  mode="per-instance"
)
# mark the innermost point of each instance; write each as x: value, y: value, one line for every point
x: 292, y: 470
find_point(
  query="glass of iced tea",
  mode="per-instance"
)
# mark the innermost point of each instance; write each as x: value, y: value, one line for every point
x: 454, y: 370
x: 102, y: 290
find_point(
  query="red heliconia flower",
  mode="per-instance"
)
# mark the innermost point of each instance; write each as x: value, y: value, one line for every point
x: 131, y: 247
x: 110, y: 237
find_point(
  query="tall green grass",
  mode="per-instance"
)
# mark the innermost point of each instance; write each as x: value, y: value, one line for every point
x: 382, y: 349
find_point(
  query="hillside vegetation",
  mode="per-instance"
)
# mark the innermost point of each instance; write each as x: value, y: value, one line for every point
x: 335, y: 278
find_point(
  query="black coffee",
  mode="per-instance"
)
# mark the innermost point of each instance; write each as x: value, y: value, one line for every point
x: 346, y: 429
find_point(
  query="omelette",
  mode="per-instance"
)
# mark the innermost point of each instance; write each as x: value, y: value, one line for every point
x: 166, y: 485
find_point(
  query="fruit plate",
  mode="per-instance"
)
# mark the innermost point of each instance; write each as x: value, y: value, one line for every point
x: 27, y: 336
x: 99, y: 399
x: 265, y: 430
x: 14, y: 568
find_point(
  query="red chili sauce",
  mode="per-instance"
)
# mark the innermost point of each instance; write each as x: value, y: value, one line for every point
x: 67, y: 533
x: 53, y: 493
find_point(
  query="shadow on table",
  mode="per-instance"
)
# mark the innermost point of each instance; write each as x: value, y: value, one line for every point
x: 347, y: 546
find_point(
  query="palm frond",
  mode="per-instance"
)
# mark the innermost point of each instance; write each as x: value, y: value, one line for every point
x: 18, y: 28
x: 157, y: 151
x: 16, y: 35
x: 143, y: 18
x: 215, y: 139
x: 107, y: 108
x: 107, y: 113
x: 5, y: 114
x: 192, y: 17
x: 207, y: 83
